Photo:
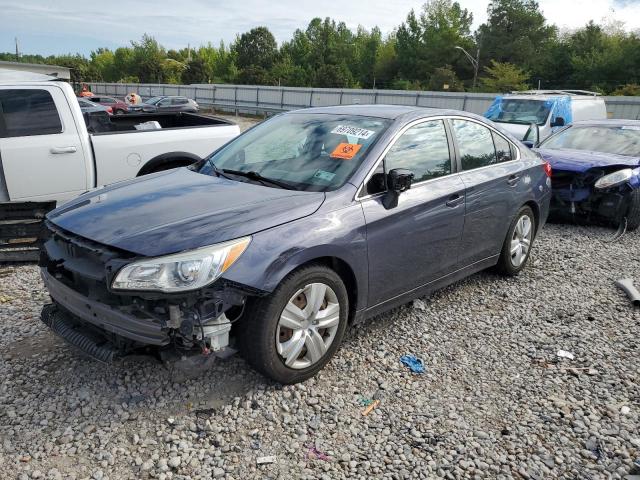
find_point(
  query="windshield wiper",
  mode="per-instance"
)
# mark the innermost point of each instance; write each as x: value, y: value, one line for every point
x: 253, y: 175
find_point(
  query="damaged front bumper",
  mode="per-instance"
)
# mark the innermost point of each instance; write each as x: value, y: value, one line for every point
x: 576, y: 199
x: 86, y: 312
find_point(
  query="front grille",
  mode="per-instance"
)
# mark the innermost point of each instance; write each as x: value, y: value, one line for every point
x: 79, y: 263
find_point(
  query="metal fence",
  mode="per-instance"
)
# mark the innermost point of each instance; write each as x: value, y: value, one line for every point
x: 262, y: 99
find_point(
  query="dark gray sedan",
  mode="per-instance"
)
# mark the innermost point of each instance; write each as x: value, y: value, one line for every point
x: 310, y: 221
x: 164, y: 103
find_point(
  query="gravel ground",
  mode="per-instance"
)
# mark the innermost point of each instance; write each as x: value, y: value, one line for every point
x: 495, y: 400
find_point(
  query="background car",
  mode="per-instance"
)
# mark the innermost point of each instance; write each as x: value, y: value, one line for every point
x: 118, y: 107
x: 596, y: 172
x: 165, y: 104
x: 90, y: 107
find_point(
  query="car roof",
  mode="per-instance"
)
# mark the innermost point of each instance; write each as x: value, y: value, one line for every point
x: 613, y: 122
x: 390, y: 112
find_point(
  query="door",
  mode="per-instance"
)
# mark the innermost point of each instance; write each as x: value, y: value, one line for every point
x: 42, y: 155
x: 417, y: 241
x: 179, y: 104
x: 164, y: 105
x: 492, y: 179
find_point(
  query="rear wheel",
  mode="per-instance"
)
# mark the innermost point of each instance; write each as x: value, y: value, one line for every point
x: 119, y: 112
x: 517, y: 246
x: 633, y: 214
x: 292, y: 334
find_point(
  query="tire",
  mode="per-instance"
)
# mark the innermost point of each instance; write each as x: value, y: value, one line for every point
x: 511, y: 263
x: 264, y: 336
x: 633, y: 214
x: 119, y: 112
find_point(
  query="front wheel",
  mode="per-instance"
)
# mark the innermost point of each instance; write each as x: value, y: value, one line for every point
x: 633, y: 213
x: 292, y: 334
x: 517, y: 246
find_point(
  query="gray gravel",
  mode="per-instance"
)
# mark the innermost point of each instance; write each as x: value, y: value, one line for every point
x: 495, y: 400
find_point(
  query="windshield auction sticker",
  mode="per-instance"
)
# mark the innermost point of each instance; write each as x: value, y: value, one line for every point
x: 345, y: 151
x: 353, y: 131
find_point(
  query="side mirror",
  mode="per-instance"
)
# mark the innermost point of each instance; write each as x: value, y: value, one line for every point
x: 558, y: 122
x: 532, y: 136
x: 398, y: 181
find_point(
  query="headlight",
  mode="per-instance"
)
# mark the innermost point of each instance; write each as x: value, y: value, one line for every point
x: 182, y: 271
x: 614, y: 179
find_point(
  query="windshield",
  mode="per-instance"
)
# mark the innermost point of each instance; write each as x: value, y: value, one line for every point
x: 619, y: 140
x: 153, y: 100
x: 313, y: 152
x: 521, y: 111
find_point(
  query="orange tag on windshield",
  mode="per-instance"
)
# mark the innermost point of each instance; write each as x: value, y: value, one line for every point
x: 346, y: 151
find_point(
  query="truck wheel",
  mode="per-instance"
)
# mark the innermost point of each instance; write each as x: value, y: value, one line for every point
x: 516, y: 249
x: 291, y: 334
x: 633, y: 214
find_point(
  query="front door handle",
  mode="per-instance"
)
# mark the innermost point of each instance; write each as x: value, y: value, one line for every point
x: 61, y: 150
x: 513, y: 180
x: 454, y: 200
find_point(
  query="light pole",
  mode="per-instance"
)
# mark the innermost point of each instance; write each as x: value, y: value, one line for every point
x: 474, y: 61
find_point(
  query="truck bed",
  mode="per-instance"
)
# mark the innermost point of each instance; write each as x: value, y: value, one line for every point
x: 99, y: 123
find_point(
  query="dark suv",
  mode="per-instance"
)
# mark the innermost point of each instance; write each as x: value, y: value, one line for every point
x: 311, y: 220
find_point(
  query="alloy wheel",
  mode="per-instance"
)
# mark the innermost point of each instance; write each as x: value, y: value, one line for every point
x: 308, y: 325
x: 521, y: 240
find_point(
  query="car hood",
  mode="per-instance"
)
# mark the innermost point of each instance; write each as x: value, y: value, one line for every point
x: 178, y: 210
x: 583, y: 160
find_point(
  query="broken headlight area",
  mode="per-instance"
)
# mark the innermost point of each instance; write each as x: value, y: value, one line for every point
x: 79, y: 275
x: 576, y: 198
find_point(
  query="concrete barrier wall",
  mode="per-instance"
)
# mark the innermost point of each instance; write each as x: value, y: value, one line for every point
x: 261, y: 99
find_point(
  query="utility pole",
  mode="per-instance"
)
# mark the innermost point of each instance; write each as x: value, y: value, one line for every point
x: 475, y: 62
x: 17, y: 51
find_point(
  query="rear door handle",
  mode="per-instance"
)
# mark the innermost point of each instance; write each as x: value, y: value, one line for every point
x: 513, y: 180
x: 454, y: 200
x: 61, y: 150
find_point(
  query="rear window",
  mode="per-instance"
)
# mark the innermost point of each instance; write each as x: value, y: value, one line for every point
x: 28, y: 112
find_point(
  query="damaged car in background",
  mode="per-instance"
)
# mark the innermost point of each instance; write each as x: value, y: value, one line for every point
x: 596, y: 172
x: 309, y: 221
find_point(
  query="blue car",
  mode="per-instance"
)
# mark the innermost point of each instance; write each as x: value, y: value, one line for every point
x: 596, y: 172
x: 310, y: 221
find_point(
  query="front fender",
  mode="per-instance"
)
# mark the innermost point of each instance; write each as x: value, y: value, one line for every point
x: 276, y: 252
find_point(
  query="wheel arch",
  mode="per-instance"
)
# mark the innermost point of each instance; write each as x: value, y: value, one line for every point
x: 179, y: 159
x: 536, y: 212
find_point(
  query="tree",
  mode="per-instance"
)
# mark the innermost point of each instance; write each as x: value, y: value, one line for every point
x: 195, y: 72
x: 147, y: 58
x: 630, y: 89
x: 103, y: 60
x: 516, y: 32
x: 429, y: 41
x: 256, y: 48
x: 445, y: 79
x: 504, y: 77
x: 254, y: 75
x: 172, y: 70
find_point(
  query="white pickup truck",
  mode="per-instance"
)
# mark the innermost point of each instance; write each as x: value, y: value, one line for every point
x: 51, y: 152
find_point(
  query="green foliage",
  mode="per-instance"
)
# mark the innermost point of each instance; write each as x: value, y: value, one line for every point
x: 445, y: 79
x: 504, y: 77
x: 256, y: 48
x: 420, y: 54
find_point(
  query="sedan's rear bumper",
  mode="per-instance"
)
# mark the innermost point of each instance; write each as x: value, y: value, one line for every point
x: 145, y: 331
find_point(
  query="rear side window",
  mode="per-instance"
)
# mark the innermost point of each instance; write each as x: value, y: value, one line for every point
x: 423, y: 149
x: 475, y: 143
x: 179, y: 101
x: 27, y: 113
x: 503, y: 148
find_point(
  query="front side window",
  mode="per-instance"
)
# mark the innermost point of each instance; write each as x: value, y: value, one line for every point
x: 423, y: 149
x: 475, y: 144
x: 28, y: 112
x: 312, y: 152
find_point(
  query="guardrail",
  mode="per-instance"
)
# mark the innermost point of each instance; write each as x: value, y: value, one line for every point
x: 263, y: 99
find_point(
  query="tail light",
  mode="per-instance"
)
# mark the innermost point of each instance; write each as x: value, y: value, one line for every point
x: 110, y: 110
x: 547, y: 169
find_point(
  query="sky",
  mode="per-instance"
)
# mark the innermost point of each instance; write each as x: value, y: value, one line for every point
x: 69, y: 26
